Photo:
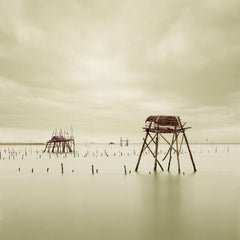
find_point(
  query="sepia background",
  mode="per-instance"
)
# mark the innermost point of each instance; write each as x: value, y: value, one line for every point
x: 102, y: 67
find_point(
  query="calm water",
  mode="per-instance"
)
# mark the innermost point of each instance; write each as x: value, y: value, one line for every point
x: 111, y: 205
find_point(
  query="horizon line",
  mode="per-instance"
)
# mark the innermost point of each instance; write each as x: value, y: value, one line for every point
x: 109, y: 143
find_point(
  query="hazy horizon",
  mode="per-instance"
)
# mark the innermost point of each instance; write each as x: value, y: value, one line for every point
x: 104, y: 66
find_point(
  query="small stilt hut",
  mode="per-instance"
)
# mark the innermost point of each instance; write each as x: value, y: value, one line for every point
x: 123, y: 141
x: 61, y: 142
x: 158, y: 126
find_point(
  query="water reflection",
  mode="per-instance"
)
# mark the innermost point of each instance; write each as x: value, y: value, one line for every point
x: 189, y: 207
x: 112, y: 205
x: 161, y: 205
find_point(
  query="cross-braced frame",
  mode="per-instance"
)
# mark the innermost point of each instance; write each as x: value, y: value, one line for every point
x: 61, y: 142
x: 156, y: 127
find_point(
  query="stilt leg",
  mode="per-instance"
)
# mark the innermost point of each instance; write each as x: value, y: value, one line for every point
x: 58, y: 146
x: 45, y: 148
x: 63, y: 148
x: 140, y: 155
x: 177, y: 152
x: 170, y: 153
x: 156, y: 152
x: 54, y: 144
x: 190, y: 153
x: 169, y: 162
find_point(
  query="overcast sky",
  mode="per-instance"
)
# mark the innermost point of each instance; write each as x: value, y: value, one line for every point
x: 104, y: 66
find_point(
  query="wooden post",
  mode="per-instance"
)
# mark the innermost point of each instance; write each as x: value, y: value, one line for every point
x: 185, y: 138
x: 190, y: 153
x: 62, y: 168
x: 58, y: 146
x: 125, y: 169
x: 169, y: 162
x: 140, y: 155
x: 177, y: 152
x: 74, y: 148
x: 92, y: 169
x: 54, y: 144
x: 170, y: 152
x: 156, y: 152
x: 63, y: 147
x: 45, y: 147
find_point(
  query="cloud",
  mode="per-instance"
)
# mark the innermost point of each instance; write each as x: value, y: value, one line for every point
x: 108, y: 63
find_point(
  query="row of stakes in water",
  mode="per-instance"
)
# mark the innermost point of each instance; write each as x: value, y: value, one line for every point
x: 93, y: 170
x: 39, y: 154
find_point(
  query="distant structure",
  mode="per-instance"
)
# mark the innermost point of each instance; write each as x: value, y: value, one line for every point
x: 123, y: 141
x: 61, y: 142
x: 156, y: 126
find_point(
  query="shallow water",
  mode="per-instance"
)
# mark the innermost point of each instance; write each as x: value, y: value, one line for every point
x: 113, y: 205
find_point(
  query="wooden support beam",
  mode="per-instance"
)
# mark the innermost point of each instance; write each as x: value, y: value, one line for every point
x: 49, y: 147
x: 159, y: 165
x: 54, y: 144
x: 156, y: 153
x: 165, y: 139
x: 170, y: 153
x: 73, y: 145
x: 190, y: 153
x: 178, y: 161
x: 141, y: 152
x: 69, y: 147
x: 180, y: 148
x: 63, y: 147
x: 189, y: 150
x: 45, y: 147
x: 151, y: 151
x: 153, y: 154
x: 170, y: 148
x: 169, y: 162
x: 152, y: 138
x: 147, y: 144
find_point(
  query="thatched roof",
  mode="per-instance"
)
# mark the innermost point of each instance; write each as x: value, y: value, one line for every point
x: 58, y: 138
x: 164, y: 120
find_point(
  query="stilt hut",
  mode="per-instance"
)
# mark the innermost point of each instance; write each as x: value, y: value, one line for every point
x: 123, y: 141
x: 61, y: 142
x: 159, y: 126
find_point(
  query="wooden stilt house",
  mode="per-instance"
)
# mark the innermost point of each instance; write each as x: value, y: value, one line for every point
x: 159, y: 126
x: 124, y: 141
x: 61, y: 142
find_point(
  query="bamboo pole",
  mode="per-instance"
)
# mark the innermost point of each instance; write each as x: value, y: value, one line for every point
x: 140, y: 155
x: 190, y: 153
x: 170, y: 153
x: 125, y: 169
x: 189, y: 150
x: 156, y: 153
x: 62, y: 168
x: 153, y: 154
x: 178, y: 162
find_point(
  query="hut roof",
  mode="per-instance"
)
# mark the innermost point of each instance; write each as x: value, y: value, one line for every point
x: 164, y: 120
x: 58, y: 138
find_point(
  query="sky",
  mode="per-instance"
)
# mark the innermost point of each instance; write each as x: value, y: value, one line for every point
x: 104, y: 66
